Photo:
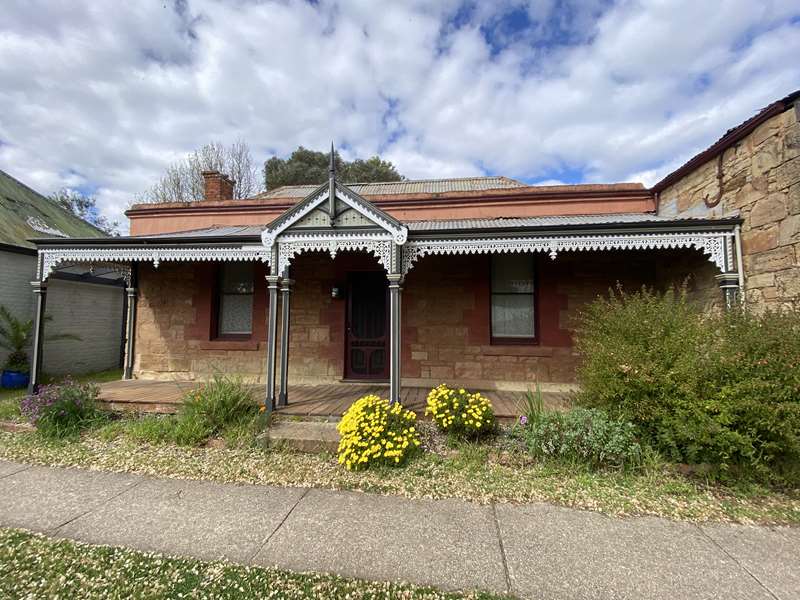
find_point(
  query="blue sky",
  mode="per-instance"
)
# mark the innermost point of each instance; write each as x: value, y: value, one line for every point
x: 101, y: 96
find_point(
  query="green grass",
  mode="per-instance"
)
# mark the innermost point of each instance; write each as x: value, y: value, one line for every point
x: 34, y: 566
x: 223, y: 407
x: 473, y: 472
x: 9, y: 404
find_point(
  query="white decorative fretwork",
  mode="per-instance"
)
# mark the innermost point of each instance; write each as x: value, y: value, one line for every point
x: 290, y: 246
x: 717, y: 245
x: 269, y: 234
x: 52, y: 257
x: 399, y: 234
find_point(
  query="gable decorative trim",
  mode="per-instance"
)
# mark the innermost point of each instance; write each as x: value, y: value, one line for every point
x: 50, y: 258
x: 718, y: 246
x: 289, y: 246
x: 397, y: 230
x: 269, y: 235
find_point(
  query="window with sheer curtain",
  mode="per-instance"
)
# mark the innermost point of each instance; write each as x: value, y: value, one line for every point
x: 513, y: 301
x: 235, y: 316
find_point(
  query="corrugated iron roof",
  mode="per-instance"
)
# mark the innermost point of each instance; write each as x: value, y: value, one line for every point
x: 471, y: 225
x: 228, y: 231
x: 25, y: 213
x: 417, y: 186
x: 537, y: 222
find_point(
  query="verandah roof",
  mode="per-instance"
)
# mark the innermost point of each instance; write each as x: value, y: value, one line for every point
x: 520, y: 225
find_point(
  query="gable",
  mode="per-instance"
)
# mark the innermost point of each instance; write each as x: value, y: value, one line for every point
x: 351, y: 211
x: 345, y: 216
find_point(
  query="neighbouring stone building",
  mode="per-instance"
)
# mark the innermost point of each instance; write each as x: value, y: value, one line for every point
x: 473, y: 281
x: 753, y: 172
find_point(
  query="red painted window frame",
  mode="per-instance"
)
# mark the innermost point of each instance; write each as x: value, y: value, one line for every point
x: 516, y: 341
x: 216, y: 305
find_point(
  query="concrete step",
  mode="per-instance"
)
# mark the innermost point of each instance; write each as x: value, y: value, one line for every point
x: 306, y: 436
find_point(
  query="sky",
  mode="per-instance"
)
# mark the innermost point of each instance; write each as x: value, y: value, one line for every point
x: 100, y: 96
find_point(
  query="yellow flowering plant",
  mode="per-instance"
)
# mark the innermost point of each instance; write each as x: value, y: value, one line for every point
x: 460, y: 412
x: 372, y: 431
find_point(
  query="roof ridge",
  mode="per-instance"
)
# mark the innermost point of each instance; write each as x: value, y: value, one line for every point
x: 404, y: 181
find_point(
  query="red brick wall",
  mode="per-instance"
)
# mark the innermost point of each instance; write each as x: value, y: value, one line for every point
x: 445, y: 335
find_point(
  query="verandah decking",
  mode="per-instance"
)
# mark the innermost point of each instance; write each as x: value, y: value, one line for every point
x: 323, y: 400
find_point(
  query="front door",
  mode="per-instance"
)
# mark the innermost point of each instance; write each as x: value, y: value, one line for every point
x: 367, y: 336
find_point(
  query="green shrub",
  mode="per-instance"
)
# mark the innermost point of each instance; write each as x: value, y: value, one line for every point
x: 211, y: 408
x: 585, y: 436
x: 62, y: 410
x: 534, y: 406
x: 374, y: 432
x: 721, y: 388
x: 460, y: 412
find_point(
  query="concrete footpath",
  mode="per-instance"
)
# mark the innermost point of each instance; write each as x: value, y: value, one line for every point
x: 532, y: 551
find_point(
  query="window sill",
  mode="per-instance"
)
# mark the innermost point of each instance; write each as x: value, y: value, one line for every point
x: 528, y: 349
x: 229, y: 345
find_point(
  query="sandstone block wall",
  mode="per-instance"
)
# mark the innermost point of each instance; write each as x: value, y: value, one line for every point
x: 761, y: 183
x: 446, y: 322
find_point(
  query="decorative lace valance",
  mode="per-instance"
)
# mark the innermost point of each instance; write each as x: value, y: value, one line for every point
x: 290, y: 246
x: 717, y: 245
x: 53, y: 257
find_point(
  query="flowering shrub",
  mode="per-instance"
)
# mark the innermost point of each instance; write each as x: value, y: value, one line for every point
x: 584, y: 435
x: 460, y: 412
x: 61, y: 410
x: 720, y: 388
x: 374, y: 432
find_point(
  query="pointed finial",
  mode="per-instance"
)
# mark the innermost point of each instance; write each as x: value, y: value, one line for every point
x: 332, y: 189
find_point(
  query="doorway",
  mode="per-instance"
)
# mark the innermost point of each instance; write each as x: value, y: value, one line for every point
x: 367, y: 339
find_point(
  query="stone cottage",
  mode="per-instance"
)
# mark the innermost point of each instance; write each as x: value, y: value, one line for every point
x: 474, y: 281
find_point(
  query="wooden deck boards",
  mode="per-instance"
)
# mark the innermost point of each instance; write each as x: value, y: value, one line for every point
x: 323, y: 400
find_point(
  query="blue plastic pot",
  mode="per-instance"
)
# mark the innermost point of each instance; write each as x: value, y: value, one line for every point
x: 14, y: 379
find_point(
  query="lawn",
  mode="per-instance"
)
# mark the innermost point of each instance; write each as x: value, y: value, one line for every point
x: 478, y: 473
x: 34, y: 566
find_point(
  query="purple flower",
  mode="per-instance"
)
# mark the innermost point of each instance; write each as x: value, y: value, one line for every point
x: 523, y: 420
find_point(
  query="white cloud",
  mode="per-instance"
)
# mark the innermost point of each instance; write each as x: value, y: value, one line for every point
x: 106, y: 94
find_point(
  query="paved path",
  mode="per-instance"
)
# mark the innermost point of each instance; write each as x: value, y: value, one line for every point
x: 534, y: 551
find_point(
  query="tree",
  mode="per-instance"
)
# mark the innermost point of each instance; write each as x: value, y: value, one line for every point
x: 306, y: 166
x: 84, y: 207
x: 183, y: 180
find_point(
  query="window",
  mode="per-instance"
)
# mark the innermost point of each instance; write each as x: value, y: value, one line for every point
x: 235, y: 316
x: 513, y: 299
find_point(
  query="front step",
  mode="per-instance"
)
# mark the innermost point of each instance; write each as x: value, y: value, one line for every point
x: 306, y: 436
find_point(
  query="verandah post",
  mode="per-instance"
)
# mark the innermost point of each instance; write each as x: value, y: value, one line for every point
x: 40, y: 296
x: 286, y: 293
x: 130, y: 290
x: 272, y: 326
x: 395, y: 289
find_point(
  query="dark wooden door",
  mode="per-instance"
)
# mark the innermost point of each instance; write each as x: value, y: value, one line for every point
x: 367, y: 345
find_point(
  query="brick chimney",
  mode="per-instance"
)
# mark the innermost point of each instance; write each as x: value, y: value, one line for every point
x: 217, y: 187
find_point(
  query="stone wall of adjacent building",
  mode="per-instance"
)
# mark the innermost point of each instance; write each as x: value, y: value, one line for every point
x: 761, y: 183
x: 445, y: 317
